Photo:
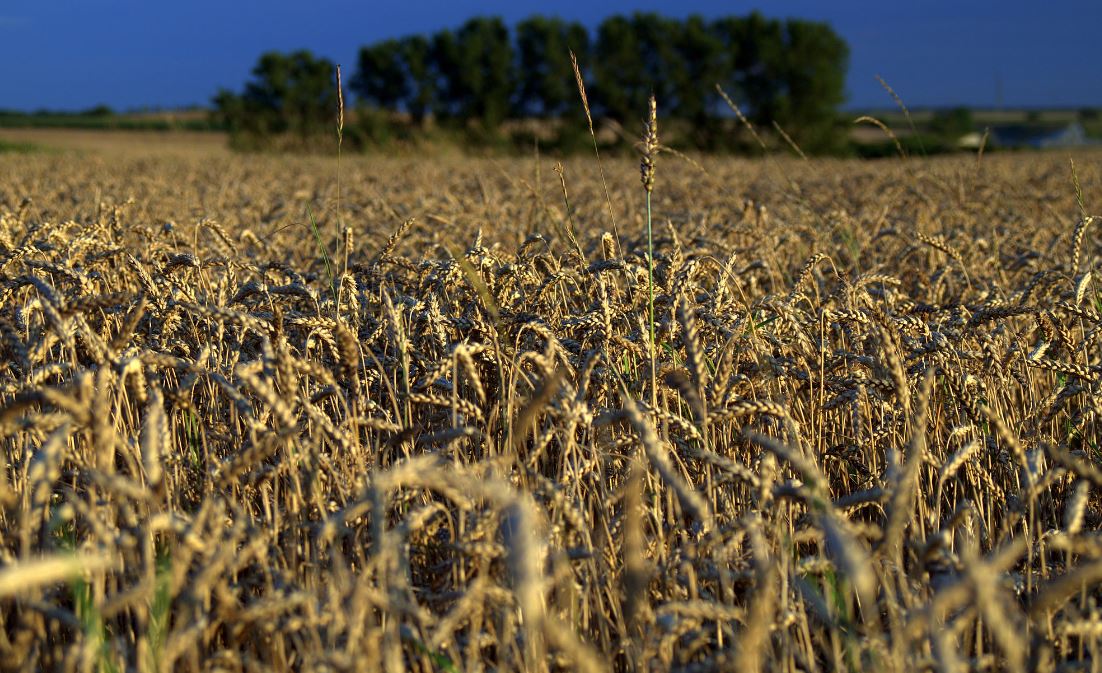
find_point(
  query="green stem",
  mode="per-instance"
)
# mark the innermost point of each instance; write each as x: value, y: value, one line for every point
x: 650, y: 291
x: 322, y: 252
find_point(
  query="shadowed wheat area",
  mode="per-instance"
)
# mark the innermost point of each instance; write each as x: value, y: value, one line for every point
x: 423, y: 439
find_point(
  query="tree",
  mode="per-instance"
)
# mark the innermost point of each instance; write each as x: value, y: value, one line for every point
x: 229, y: 112
x: 381, y: 77
x: 444, y: 57
x: 953, y: 123
x: 814, y: 78
x: 702, y: 54
x: 753, y: 64
x: 635, y: 58
x: 297, y: 92
x: 100, y: 110
x: 620, y: 79
x: 477, y: 68
x: 416, y: 54
x: 288, y: 94
x: 546, y: 83
x: 398, y: 75
x: 791, y: 73
x: 664, y: 66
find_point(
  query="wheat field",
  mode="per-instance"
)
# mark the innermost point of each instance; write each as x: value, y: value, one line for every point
x: 421, y: 433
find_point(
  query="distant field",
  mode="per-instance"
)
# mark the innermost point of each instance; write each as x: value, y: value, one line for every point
x: 258, y: 416
x: 982, y: 117
x: 132, y: 142
x: 193, y: 124
x: 895, y: 116
x: 169, y: 120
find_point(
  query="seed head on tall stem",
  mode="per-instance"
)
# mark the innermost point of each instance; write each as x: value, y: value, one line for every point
x: 650, y: 147
x: 646, y: 170
x: 347, y: 232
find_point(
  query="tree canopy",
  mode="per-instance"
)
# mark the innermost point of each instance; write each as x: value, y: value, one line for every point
x: 546, y: 85
x: 477, y: 65
x: 783, y: 73
x: 289, y: 94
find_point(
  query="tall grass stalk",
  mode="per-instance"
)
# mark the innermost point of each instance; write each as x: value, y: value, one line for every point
x: 340, y: 137
x: 569, y: 230
x: 322, y: 251
x: 340, y: 142
x: 906, y: 113
x: 646, y: 169
x: 593, y: 136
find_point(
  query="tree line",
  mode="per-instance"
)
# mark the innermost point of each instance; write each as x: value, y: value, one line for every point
x: 786, y: 73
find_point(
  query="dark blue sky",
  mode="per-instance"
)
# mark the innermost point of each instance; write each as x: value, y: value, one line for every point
x: 71, y: 54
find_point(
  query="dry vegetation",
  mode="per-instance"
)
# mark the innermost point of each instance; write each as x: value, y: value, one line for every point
x: 875, y: 445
